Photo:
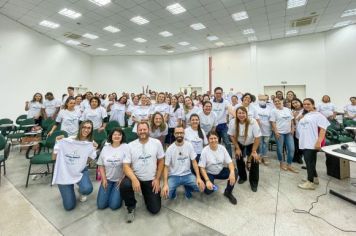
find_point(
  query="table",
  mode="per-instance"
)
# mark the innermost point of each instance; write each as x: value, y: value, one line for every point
x: 329, y: 150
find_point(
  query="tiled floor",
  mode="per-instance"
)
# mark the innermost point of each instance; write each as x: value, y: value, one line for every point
x: 37, y: 210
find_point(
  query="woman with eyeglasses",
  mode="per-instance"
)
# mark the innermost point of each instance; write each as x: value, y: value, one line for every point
x: 71, y: 155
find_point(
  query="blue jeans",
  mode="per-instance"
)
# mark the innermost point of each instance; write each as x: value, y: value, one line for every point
x: 286, y: 139
x: 224, y: 174
x: 221, y: 129
x: 109, y: 198
x: 263, y: 148
x: 188, y: 181
x: 67, y: 191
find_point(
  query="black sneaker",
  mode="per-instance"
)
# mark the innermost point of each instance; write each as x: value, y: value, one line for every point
x: 130, y: 216
x: 254, y: 188
x: 231, y: 197
x: 241, y: 181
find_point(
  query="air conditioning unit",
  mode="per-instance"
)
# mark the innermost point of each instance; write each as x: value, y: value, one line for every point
x: 305, y: 21
x: 72, y: 36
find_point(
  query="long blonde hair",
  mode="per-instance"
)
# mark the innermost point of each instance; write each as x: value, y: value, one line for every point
x: 162, y: 127
x: 247, y: 122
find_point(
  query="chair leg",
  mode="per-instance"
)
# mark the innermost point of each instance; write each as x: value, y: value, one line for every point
x: 28, y: 174
x: 4, y: 168
x: 48, y: 169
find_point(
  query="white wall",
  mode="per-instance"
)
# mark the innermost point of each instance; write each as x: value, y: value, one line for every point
x: 31, y: 62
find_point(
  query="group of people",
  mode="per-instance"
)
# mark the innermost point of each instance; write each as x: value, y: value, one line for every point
x: 179, y: 142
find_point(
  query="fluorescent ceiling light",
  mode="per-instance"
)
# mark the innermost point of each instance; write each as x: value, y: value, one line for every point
x: 49, y: 24
x: 70, y: 13
x: 170, y: 51
x: 212, y: 38
x: 139, y: 20
x: 119, y: 45
x: 252, y: 38
x: 248, y: 31
x: 140, y: 40
x: 193, y: 48
x: 101, y: 49
x: 111, y: 29
x: 166, y: 34
x: 90, y: 36
x: 342, y: 23
x: 140, y: 51
x: 296, y: 3
x: 183, y: 43
x: 100, y: 2
x: 72, y: 42
x: 289, y: 32
x: 219, y: 44
x: 176, y: 9
x: 350, y: 12
x: 197, y: 26
x: 242, y: 15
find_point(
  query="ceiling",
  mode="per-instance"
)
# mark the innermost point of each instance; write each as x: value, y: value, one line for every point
x: 270, y: 19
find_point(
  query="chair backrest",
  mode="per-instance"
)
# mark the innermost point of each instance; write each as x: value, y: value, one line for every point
x: 20, y: 118
x: 51, y: 140
x: 130, y: 136
x: 2, y: 142
x: 47, y: 124
x: 6, y: 121
x: 99, y: 137
x: 111, y: 125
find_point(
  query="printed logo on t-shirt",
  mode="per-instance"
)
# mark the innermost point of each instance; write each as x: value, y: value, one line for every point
x: 182, y: 159
x: 72, y: 158
x: 144, y: 159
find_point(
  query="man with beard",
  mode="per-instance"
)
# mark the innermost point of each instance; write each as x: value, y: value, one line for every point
x: 143, y: 168
x: 179, y: 156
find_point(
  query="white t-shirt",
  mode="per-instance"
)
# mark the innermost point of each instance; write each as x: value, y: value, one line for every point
x: 297, y: 114
x: 207, y: 122
x: 78, y: 109
x: 351, y: 110
x: 72, y: 157
x: 214, y: 161
x: 327, y: 109
x: 162, y: 108
x: 69, y: 121
x: 220, y: 109
x: 143, y: 158
x: 117, y: 112
x: 140, y: 112
x: 192, y: 136
x: 112, y: 158
x: 158, y: 133
x: 308, y: 129
x: 252, y: 133
x: 178, y: 159
x: 283, y: 118
x: 264, y: 114
x: 233, y: 108
x: 95, y: 115
x: 34, y: 109
x: 174, y: 116
x: 51, y: 106
x: 130, y: 109
x: 84, y: 105
x: 186, y: 117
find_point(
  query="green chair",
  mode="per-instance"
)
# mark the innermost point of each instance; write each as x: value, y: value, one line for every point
x: 43, y: 158
x: 111, y: 125
x: 100, y: 137
x: 6, y: 126
x: 130, y: 136
x: 20, y: 118
x: 3, y: 157
x: 334, y: 137
x: 24, y: 125
x: 47, y: 126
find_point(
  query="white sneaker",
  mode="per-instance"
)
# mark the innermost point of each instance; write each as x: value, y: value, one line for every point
x: 315, y: 181
x: 307, y: 185
x: 82, y: 198
x: 36, y: 177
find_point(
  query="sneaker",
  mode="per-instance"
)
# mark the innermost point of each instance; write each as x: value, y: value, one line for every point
x: 130, y: 216
x: 307, y: 185
x: 316, y: 180
x: 254, y: 188
x: 188, y: 195
x: 283, y: 167
x: 36, y: 177
x: 264, y: 161
x: 82, y: 198
x: 241, y: 181
x: 231, y: 197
